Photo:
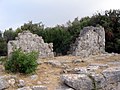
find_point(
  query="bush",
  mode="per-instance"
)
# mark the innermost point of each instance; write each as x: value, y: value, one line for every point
x: 22, y: 62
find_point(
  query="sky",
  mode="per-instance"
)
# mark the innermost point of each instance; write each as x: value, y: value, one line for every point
x: 14, y: 13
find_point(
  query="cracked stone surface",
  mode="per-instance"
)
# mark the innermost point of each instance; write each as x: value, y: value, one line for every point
x: 31, y: 42
x: 91, y: 41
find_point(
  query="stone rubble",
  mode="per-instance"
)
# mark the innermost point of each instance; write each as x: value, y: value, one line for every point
x: 39, y: 88
x: 24, y: 88
x: 108, y: 79
x: 3, y: 83
x: 12, y: 82
x: 54, y: 63
x: 21, y: 83
x: 98, y: 65
x: 33, y: 77
x: 116, y: 63
x: 63, y: 87
x: 91, y: 41
x: 77, y: 81
x: 31, y: 42
x: 80, y: 70
x: 93, y: 76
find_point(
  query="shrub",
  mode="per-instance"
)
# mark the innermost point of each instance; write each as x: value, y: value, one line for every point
x: 22, y: 62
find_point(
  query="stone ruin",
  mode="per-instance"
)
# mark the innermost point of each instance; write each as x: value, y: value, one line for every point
x: 28, y: 42
x: 91, y: 41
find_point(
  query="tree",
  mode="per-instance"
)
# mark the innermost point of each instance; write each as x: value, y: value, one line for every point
x: 3, y: 47
x: 34, y: 28
x: 0, y: 34
x: 63, y: 36
x: 110, y: 20
x: 9, y: 34
x: 60, y: 38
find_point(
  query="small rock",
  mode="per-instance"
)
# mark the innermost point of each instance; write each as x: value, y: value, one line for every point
x: 21, y: 83
x: 11, y: 82
x: 8, y: 77
x: 64, y: 71
x: 99, y: 81
x: 111, y: 87
x: 39, y: 62
x: 118, y: 86
x: 114, y: 62
x: 69, y: 89
x: 63, y: 87
x: 112, y: 74
x: 92, y: 68
x: 80, y: 70
x: 70, y: 70
x: 54, y: 63
x: 46, y: 82
x: 77, y: 81
x: 65, y: 66
x: 24, y: 88
x: 100, y: 58
x: 34, y: 77
x: 39, y: 82
x: 40, y: 87
x: 65, y: 61
x: 77, y: 61
x: 3, y: 84
x: 99, y: 65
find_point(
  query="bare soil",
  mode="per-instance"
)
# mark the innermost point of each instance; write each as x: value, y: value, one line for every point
x: 49, y: 75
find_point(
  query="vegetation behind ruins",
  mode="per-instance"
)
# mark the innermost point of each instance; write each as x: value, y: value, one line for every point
x: 63, y: 36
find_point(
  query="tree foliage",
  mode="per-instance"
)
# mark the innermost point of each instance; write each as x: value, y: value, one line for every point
x: 110, y: 20
x: 9, y: 34
x: 3, y: 47
x: 61, y: 39
x: 63, y: 36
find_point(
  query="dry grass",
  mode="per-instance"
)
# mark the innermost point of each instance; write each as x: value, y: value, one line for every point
x: 49, y: 75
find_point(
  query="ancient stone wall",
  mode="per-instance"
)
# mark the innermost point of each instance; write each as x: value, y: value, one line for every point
x: 31, y: 42
x: 91, y: 41
x: 108, y: 79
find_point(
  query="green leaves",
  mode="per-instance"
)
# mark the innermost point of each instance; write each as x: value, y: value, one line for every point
x: 59, y: 37
x: 63, y: 36
x: 3, y: 47
x: 22, y: 62
x: 110, y: 21
x: 9, y: 35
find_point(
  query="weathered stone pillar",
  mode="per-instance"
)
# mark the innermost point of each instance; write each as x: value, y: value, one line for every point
x: 91, y: 41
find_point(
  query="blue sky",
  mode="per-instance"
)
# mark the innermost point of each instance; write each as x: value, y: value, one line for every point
x: 14, y: 13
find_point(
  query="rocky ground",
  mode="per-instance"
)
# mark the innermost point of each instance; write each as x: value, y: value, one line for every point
x: 100, y: 72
